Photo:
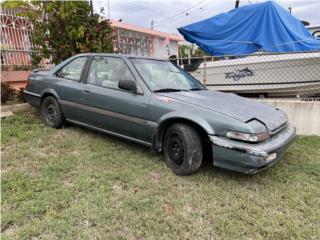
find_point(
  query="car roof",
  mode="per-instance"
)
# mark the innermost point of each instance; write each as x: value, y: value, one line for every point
x: 120, y: 55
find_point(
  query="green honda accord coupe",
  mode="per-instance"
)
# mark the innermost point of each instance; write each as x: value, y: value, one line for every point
x: 157, y: 104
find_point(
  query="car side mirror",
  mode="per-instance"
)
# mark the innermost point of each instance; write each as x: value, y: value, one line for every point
x: 128, y: 85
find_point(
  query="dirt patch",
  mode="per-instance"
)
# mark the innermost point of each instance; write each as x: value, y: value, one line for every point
x: 154, y: 176
x: 9, y: 230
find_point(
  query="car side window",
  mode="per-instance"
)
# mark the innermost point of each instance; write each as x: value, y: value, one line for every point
x: 73, y: 69
x: 107, y: 72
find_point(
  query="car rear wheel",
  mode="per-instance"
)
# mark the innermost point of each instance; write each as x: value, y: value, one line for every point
x: 183, y: 149
x: 51, y: 113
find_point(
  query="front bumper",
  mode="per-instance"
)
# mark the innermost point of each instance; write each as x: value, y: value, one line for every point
x: 247, y: 157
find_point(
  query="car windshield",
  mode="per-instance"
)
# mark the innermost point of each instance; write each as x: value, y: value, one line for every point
x: 163, y: 76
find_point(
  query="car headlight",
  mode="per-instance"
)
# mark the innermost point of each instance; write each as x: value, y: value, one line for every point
x: 248, y: 137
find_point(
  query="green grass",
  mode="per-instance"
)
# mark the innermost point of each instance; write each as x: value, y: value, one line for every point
x: 74, y: 183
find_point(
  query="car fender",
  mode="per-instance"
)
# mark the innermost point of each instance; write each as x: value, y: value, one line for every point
x: 203, y: 123
x: 49, y: 91
x: 177, y: 116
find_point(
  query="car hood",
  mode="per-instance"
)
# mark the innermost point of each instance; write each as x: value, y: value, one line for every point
x: 234, y: 106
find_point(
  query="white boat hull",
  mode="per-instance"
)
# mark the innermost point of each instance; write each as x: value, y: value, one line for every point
x: 280, y: 75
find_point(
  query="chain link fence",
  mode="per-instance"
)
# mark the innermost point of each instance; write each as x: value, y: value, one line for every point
x: 17, y: 64
x: 16, y: 75
x: 262, y: 74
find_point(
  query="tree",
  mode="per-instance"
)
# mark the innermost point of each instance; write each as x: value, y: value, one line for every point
x: 64, y: 28
x: 192, y: 49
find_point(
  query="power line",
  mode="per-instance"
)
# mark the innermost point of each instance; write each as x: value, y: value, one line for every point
x: 180, y: 13
x: 185, y: 14
x: 193, y: 11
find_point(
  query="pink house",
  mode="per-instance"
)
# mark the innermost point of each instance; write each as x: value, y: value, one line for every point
x: 140, y: 41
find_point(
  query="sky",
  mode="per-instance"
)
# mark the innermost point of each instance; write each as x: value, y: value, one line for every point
x: 168, y: 15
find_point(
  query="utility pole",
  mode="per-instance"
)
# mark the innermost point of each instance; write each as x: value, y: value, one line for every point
x: 152, y: 24
x: 109, y: 17
x: 91, y: 8
x: 237, y: 3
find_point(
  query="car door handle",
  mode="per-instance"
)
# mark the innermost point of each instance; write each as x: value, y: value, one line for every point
x: 86, y: 91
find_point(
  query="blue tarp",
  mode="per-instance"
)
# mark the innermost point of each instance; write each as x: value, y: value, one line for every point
x: 263, y: 26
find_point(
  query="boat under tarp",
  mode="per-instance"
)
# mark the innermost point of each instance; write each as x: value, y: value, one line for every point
x: 248, y: 29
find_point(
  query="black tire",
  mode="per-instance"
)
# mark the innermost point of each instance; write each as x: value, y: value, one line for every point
x: 183, y: 149
x: 51, y: 113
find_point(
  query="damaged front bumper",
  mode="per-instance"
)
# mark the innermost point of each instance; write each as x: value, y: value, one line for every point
x: 247, y: 157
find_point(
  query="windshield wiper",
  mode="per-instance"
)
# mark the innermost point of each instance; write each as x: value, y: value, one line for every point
x: 196, y: 89
x: 168, y: 90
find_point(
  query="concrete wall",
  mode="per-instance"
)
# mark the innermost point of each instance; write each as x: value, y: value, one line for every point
x: 304, y: 115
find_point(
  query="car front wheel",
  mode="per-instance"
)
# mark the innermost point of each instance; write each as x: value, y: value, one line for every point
x: 183, y: 149
x: 51, y: 113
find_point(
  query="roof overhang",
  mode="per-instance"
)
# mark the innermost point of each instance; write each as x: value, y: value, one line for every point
x: 122, y: 25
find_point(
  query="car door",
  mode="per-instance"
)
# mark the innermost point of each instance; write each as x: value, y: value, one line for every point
x: 113, y: 109
x: 69, y: 87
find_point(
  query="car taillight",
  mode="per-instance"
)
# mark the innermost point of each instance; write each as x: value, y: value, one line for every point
x: 27, y: 85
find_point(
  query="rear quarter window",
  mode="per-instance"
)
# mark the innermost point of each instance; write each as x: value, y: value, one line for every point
x: 72, y: 70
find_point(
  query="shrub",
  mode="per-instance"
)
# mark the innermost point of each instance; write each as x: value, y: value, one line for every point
x: 6, y: 92
x: 20, y: 97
